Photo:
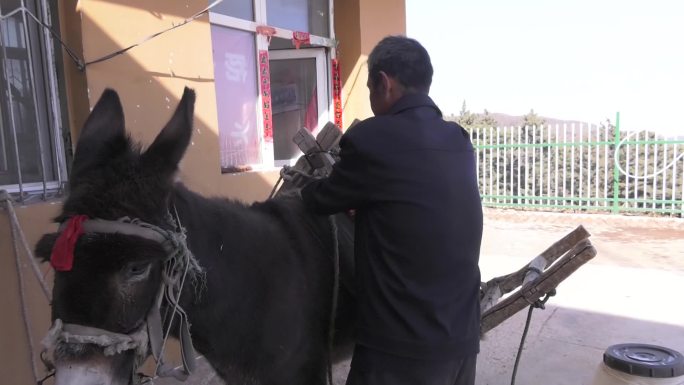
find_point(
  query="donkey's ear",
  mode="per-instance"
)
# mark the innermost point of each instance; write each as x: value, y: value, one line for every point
x: 102, y: 133
x: 168, y: 148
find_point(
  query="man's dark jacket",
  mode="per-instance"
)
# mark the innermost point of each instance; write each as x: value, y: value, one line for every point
x: 411, y: 178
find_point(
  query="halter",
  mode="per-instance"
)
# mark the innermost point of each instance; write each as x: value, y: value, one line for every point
x: 178, y: 264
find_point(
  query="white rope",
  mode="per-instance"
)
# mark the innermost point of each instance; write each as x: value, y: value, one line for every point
x: 177, y: 268
x: 637, y: 177
x: 18, y: 237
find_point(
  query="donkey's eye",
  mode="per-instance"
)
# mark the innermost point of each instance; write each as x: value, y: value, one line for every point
x: 138, y: 270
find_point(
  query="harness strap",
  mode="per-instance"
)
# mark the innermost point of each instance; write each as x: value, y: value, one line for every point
x: 127, y: 228
x: 156, y: 335
x: 187, y: 350
x: 178, y: 264
x: 157, y: 338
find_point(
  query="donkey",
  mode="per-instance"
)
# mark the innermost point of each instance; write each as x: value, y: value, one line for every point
x: 254, y: 291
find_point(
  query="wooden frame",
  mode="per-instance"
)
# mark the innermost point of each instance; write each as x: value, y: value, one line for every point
x: 534, y: 280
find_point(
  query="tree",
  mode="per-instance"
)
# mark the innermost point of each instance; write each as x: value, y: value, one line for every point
x: 486, y: 120
x: 531, y: 119
x: 466, y: 118
x: 469, y: 120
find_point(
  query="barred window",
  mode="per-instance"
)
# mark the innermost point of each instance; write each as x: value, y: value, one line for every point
x: 31, y: 148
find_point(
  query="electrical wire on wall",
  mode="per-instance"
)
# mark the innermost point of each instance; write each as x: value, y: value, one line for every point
x: 81, y: 64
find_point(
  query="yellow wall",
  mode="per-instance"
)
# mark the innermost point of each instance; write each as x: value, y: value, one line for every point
x: 75, y: 81
x: 359, y: 26
x: 14, y: 352
x: 150, y: 81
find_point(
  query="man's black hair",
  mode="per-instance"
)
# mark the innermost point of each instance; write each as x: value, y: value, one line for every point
x: 404, y: 59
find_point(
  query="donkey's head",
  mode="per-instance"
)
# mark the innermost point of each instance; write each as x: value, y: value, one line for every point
x: 108, y: 280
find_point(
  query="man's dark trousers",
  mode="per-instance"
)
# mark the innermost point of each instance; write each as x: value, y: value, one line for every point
x: 373, y: 367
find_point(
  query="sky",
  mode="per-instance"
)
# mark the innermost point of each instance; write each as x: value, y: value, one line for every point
x: 577, y: 60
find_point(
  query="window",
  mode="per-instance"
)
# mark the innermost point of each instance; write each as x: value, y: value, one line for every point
x: 242, y: 9
x: 266, y: 88
x: 31, y: 148
x: 236, y: 96
x: 298, y: 93
x: 299, y: 15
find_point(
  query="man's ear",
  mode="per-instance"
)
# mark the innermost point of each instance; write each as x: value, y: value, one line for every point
x: 390, y: 88
x: 384, y: 83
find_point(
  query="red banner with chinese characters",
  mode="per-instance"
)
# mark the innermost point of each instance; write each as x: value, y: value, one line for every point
x: 265, y: 84
x: 337, y: 92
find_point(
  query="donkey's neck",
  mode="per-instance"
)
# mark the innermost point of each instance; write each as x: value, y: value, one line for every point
x: 213, y: 223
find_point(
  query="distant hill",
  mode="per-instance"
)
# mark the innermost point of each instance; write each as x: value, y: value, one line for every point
x: 517, y: 120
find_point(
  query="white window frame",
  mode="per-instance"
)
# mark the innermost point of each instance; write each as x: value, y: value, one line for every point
x: 56, y: 149
x: 324, y: 112
x: 328, y: 44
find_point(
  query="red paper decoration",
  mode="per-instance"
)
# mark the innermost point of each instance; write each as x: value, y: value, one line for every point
x: 265, y: 82
x: 299, y: 38
x: 337, y: 92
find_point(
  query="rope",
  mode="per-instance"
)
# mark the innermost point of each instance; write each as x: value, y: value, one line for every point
x: 17, y: 238
x: 275, y: 186
x: 112, y: 343
x: 47, y: 376
x: 24, y: 307
x: 145, y: 379
x: 288, y: 173
x: 335, y: 295
x: 177, y: 268
x: 538, y: 304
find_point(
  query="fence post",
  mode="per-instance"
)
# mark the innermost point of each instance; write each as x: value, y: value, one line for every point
x: 616, y: 171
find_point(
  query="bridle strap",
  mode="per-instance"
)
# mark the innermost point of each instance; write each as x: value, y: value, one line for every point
x: 113, y: 343
x: 152, y: 333
x: 127, y: 228
x: 157, y: 341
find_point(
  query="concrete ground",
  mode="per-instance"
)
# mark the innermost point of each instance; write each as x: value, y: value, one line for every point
x: 630, y: 292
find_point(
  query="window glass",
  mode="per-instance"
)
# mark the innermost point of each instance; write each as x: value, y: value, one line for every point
x: 242, y: 9
x: 295, y: 103
x: 299, y: 15
x: 24, y: 125
x: 236, y: 97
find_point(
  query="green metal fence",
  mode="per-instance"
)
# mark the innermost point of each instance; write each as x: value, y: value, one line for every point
x: 577, y: 168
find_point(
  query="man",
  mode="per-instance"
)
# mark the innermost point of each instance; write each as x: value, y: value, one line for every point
x: 411, y: 178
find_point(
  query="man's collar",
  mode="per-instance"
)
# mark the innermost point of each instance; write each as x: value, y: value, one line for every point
x: 413, y: 100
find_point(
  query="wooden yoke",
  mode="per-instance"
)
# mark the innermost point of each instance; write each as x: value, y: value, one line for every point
x: 320, y: 154
x: 534, y: 280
